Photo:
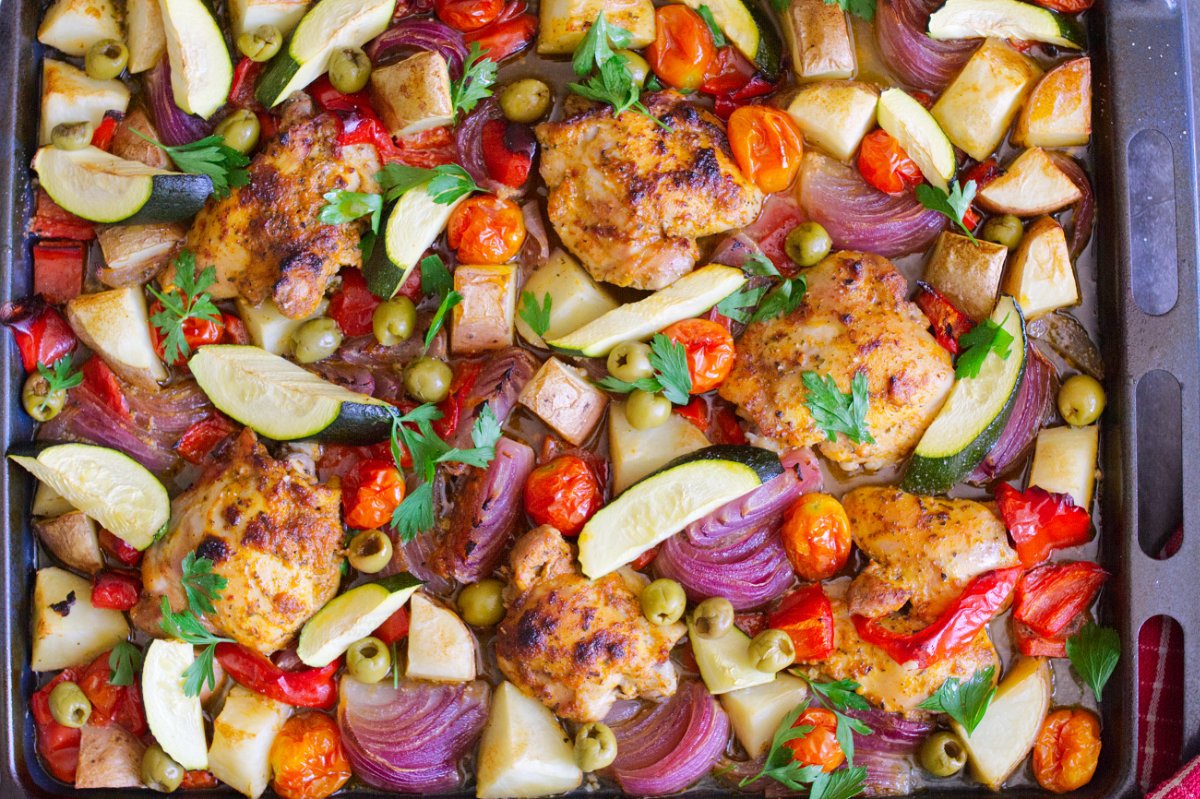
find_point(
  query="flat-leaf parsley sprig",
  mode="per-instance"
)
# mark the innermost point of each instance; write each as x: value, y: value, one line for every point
x: 760, y: 303
x: 977, y: 343
x: 953, y: 204
x: 671, y: 375
x: 613, y: 84
x: 478, y: 75
x: 188, y: 300
x: 536, y: 314
x: 446, y: 183
x: 202, y: 588
x: 965, y: 702
x: 835, y: 412
x: 781, y: 765
x: 211, y: 156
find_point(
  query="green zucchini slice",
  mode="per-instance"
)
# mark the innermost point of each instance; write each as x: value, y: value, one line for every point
x: 350, y: 616
x: 1004, y: 19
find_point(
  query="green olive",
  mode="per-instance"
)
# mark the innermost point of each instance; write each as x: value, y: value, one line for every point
x: 316, y: 340
x: 160, y: 772
x: 394, y: 320
x: 1081, y: 400
x: 481, y: 604
x: 807, y: 244
x: 40, y: 402
x: 638, y: 67
x: 663, y: 601
x: 942, y: 754
x: 106, y: 59
x: 427, y: 380
x: 630, y: 361
x: 349, y: 69
x: 72, y: 135
x: 260, y: 44
x: 69, y: 706
x: 526, y: 100
x: 368, y: 660
x: 1004, y: 230
x: 772, y: 651
x: 240, y: 130
x: 645, y: 410
x: 595, y: 746
x: 713, y: 617
x: 370, y: 551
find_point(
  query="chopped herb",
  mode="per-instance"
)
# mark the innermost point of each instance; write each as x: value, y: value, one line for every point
x: 842, y: 784
x: 63, y: 607
x: 188, y: 300
x: 965, y: 702
x: 671, y: 375
x: 123, y: 662
x: 653, y: 84
x: 954, y: 205
x: 781, y: 765
x: 977, y: 342
x: 343, y: 206
x: 211, y: 156
x: 842, y: 694
x: 706, y: 14
x: 1094, y: 652
x: 58, y: 378
x: 535, y: 314
x: 761, y: 265
x: 835, y: 412
x: 782, y: 299
x: 436, y: 279
x: 447, y: 183
x: 439, y: 316
x: 478, y: 75
x: 202, y: 588
x: 614, y: 83
x: 740, y: 305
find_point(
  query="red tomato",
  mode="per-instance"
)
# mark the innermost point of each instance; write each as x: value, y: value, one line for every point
x: 119, y: 550
x: 197, y: 333
x: 235, y: 330
x: 508, y: 150
x: 353, y: 305
x: 695, y: 412
x: 982, y: 173
x: 645, y: 559
x: 486, y: 230
x: 394, y: 629
x: 710, y: 351
x: 199, y: 440
x: 728, y: 429
x: 468, y: 15
x: 507, y: 36
x: 371, y: 492
x: 1048, y: 597
x: 766, y: 145
x: 307, y: 758
x: 57, y: 744
x: 816, y: 536
x: 683, y: 48
x: 113, y: 704
x: 103, y: 135
x: 103, y: 382
x: 563, y: 493
x: 427, y: 149
x: 116, y: 590
x: 728, y: 72
x: 819, y: 747
x: 885, y: 165
x: 807, y: 617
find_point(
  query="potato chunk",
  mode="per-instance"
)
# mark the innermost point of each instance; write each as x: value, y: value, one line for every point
x: 69, y: 95
x: 484, y: 319
x: 1040, y: 277
x: 1059, y: 111
x: 1064, y: 462
x: 563, y: 398
x: 73, y: 539
x: 524, y: 752
x: 75, y: 25
x: 967, y: 273
x: 414, y: 94
x: 818, y: 36
x: 1031, y: 186
x: 115, y: 324
x: 835, y: 115
x: 562, y: 24
x: 67, y: 630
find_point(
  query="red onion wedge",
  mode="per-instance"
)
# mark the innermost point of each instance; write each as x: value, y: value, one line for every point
x: 669, y: 746
x: 174, y: 125
x: 887, y: 752
x: 918, y: 60
x: 411, y: 739
x: 762, y: 507
x: 498, y: 384
x: 421, y: 34
x: 860, y: 217
x: 468, y: 137
x: 1033, y: 406
x: 1083, y: 213
x: 748, y: 569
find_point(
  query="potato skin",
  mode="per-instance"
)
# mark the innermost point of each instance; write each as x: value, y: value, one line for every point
x: 72, y: 538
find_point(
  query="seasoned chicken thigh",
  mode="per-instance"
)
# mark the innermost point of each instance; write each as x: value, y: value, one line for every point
x: 269, y: 529
x: 854, y: 319
x: 578, y: 645
x: 265, y: 239
x: 630, y: 198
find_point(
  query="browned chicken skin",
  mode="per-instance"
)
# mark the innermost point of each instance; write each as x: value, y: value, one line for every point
x: 269, y: 529
x: 575, y: 644
x: 854, y: 319
x: 630, y: 198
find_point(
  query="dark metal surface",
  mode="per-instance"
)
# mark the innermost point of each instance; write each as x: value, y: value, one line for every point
x: 1145, y: 81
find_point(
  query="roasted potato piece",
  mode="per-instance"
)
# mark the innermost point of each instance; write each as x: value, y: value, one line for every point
x: 1058, y: 112
x: 1033, y: 185
x: 414, y: 94
x: 115, y: 324
x: 246, y: 15
x: 241, y: 740
x: 565, y: 399
x: 484, y: 319
x: 69, y: 95
x: 637, y: 453
x: 835, y: 115
x: 75, y: 25
x: 575, y: 298
x: 126, y: 143
x: 562, y: 24
x: 967, y: 273
x: 109, y: 757
x: 1064, y: 462
x: 818, y: 36
x: 1007, y: 732
x: 73, y: 539
x: 147, y: 38
x: 67, y: 630
x: 135, y: 254
x: 1040, y: 277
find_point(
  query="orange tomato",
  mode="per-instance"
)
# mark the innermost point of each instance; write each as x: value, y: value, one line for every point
x: 563, y: 493
x: 486, y: 230
x: 767, y: 146
x: 819, y: 747
x: 683, y: 48
x: 307, y: 758
x: 370, y: 493
x: 1067, y: 750
x: 467, y: 15
x: 816, y: 536
x: 884, y: 164
x: 710, y: 351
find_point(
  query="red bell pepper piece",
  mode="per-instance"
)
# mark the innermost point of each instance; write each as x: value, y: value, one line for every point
x: 1039, y: 522
x: 245, y: 75
x: 508, y: 35
x: 427, y: 149
x: 725, y: 104
x: 51, y: 221
x: 728, y: 431
x: 696, y: 412
x: 728, y: 72
x: 1031, y: 644
x: 41, y: 333
x: 102, y: 136
x: 1050, y: 596
x: 304, y: 688
x: 353, y: 305
x: 199, y: 440
x: 57, y: 744
x: 104, y: 383
x: 646, y: 558
x: 954, y: 629
x: 983, y: 173
x: 454, y: 405
x: 113, y: 704
x: 119, y: 550
x: 362, y: 129
x: 116, y: 590
x: 235, y: 330
x: 508, y: 150
x: 394, y: 629
x: 58, y: 269
x: 807, y: 617
x: 949, y: 323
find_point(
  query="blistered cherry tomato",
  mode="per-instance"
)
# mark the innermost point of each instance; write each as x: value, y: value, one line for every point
x: 370, y: 494
x: 508, y: 35
x: 683, y: 48
x: 884, y: 164
x: 563, y: 493
x: 819, y: 747
x: 767, y: 146
x: 113, y: 704
x: 197, y: 333
x: 486, y: 230
x: 1067, y: 750
x: 816, y: 536
x: 467, y: 15
x: 307, y: 758
x: 710, y: 351
x: 353, y: 305
x: 116, y: 590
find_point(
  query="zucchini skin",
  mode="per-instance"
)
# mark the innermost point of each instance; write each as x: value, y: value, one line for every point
x: 763, y: 462
x: 356, y: 423
x: 276, y: 78
x: 173, y: 198
x: 769, y: 58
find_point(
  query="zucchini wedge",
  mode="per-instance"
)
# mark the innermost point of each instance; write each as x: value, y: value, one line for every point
x: 175, y: 718
x: 1005, y: 19
x: 656, y: 507
x: 350, y: 616
x: 968, y: 425
x: 919, y: 134
x: 201, y: 70
x: 747, y: 29
x: 283, y: 401
x: 413, y: 225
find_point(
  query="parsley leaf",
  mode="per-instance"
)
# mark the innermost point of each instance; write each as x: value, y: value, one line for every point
x: 782, y: 299
x: 977, y: 342
x: 835, y: 412
x: 965, y: 702
x: 1094, y: 652
x: 451, y: 299
x: 740, y: 305
x: 59, y: 378
x: 200, y: 584
x: 486, y: 430
x: 187, y: 301
x: 671, y: 375
x: 446, y: 182
x: 435, y: 277
x: 780, y: 765
x: 478, y: 75
x: 759, y: 303
x: 536, y: 315
x: 859, y: 8
x: 414, y: 515
x: 123, y: 662
x: 841, y: 784
x: 761, y: 265
x: 614, y: 83
x: 595, y: 48
x: 202, y: 588
x: 706, y: 14
x: 211, y: 156
x: 343, y: 206
x: 842, y: 694
x: 953, y: 205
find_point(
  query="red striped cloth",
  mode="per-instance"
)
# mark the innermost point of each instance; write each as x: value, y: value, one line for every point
x: 1160, y: 708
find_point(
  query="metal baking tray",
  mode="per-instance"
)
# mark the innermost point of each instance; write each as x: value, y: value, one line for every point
x: 1144, y: 286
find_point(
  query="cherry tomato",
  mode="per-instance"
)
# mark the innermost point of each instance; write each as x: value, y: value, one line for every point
x: 112, y: 704
x: 806, y: 615
x: 885, y: 165
x: 508, y: 35
x: 467, y: 15
x: 56, y: 743
x: 486, y: 230
x: 819, y: 747
x: 197, y: 333
x: 370, y: 493
x: 353, y: 305
x: 394, y: 629
x: 767, y: 146
x: 710, y: 351
x: 728, y: 72
x: 683, y: 48
x: 982, y: 173
x: 116, y: 590
x: 118, y: 549
x: 645, y: 559
x: 695, y: 412
x: 563, y: 493
x: 508, y: 150
x: 1067, y: 750
x: 307, y: 758
x: 816, y: 536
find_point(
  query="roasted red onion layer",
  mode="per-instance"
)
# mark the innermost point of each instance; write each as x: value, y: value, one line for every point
x: 1083, y: 213
x: 468, y: 137
x: 422, y: 34
x: 1032, y: 407
x: 918, y: 60
x: 173, y: 124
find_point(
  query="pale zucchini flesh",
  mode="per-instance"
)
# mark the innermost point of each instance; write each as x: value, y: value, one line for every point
x: 413, y: 225
x: 575, y: 298
x: 350, y: 616
x: 176, y: 719
x: 1004, y: 19
x: 201, y: 69
x: 918, y: 133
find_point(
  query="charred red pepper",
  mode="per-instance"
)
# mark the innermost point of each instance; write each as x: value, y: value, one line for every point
x: 725, y: 104
x: 353, y: 305
x: 99, y: 379
x: 807, y: 617
x: 116, y: 590
x: 508, y: 150
x: 119, y: 550
x: 102, y: 136
x: 427, y: 149
x: 696, y: 412
x: 304, y: 688
x: 113, y: 704
x: 955, y: 628
x: 1031, y: 644
x: 727, y: 429
x: 949, y: 323
x: 508, y: 35
x: 1050, y: 596
x: 245, y: 75
x: 57, y: 744
x: 982, y: 173
x: 1040, y: 522
x: 199, y: 440
x: 58, y: 269
x: 453, y: 407
x: 41, y: 333
x: 235, y: 329
x: 51, y: 221
x: 394, y: 629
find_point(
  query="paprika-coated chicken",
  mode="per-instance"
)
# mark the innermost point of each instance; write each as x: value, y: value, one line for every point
x: 575, y: 644
x: 630, y: 197
x: 265, y: 239
x: 271, y: 531
x: 923, y: 550
x: 854, y: 319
